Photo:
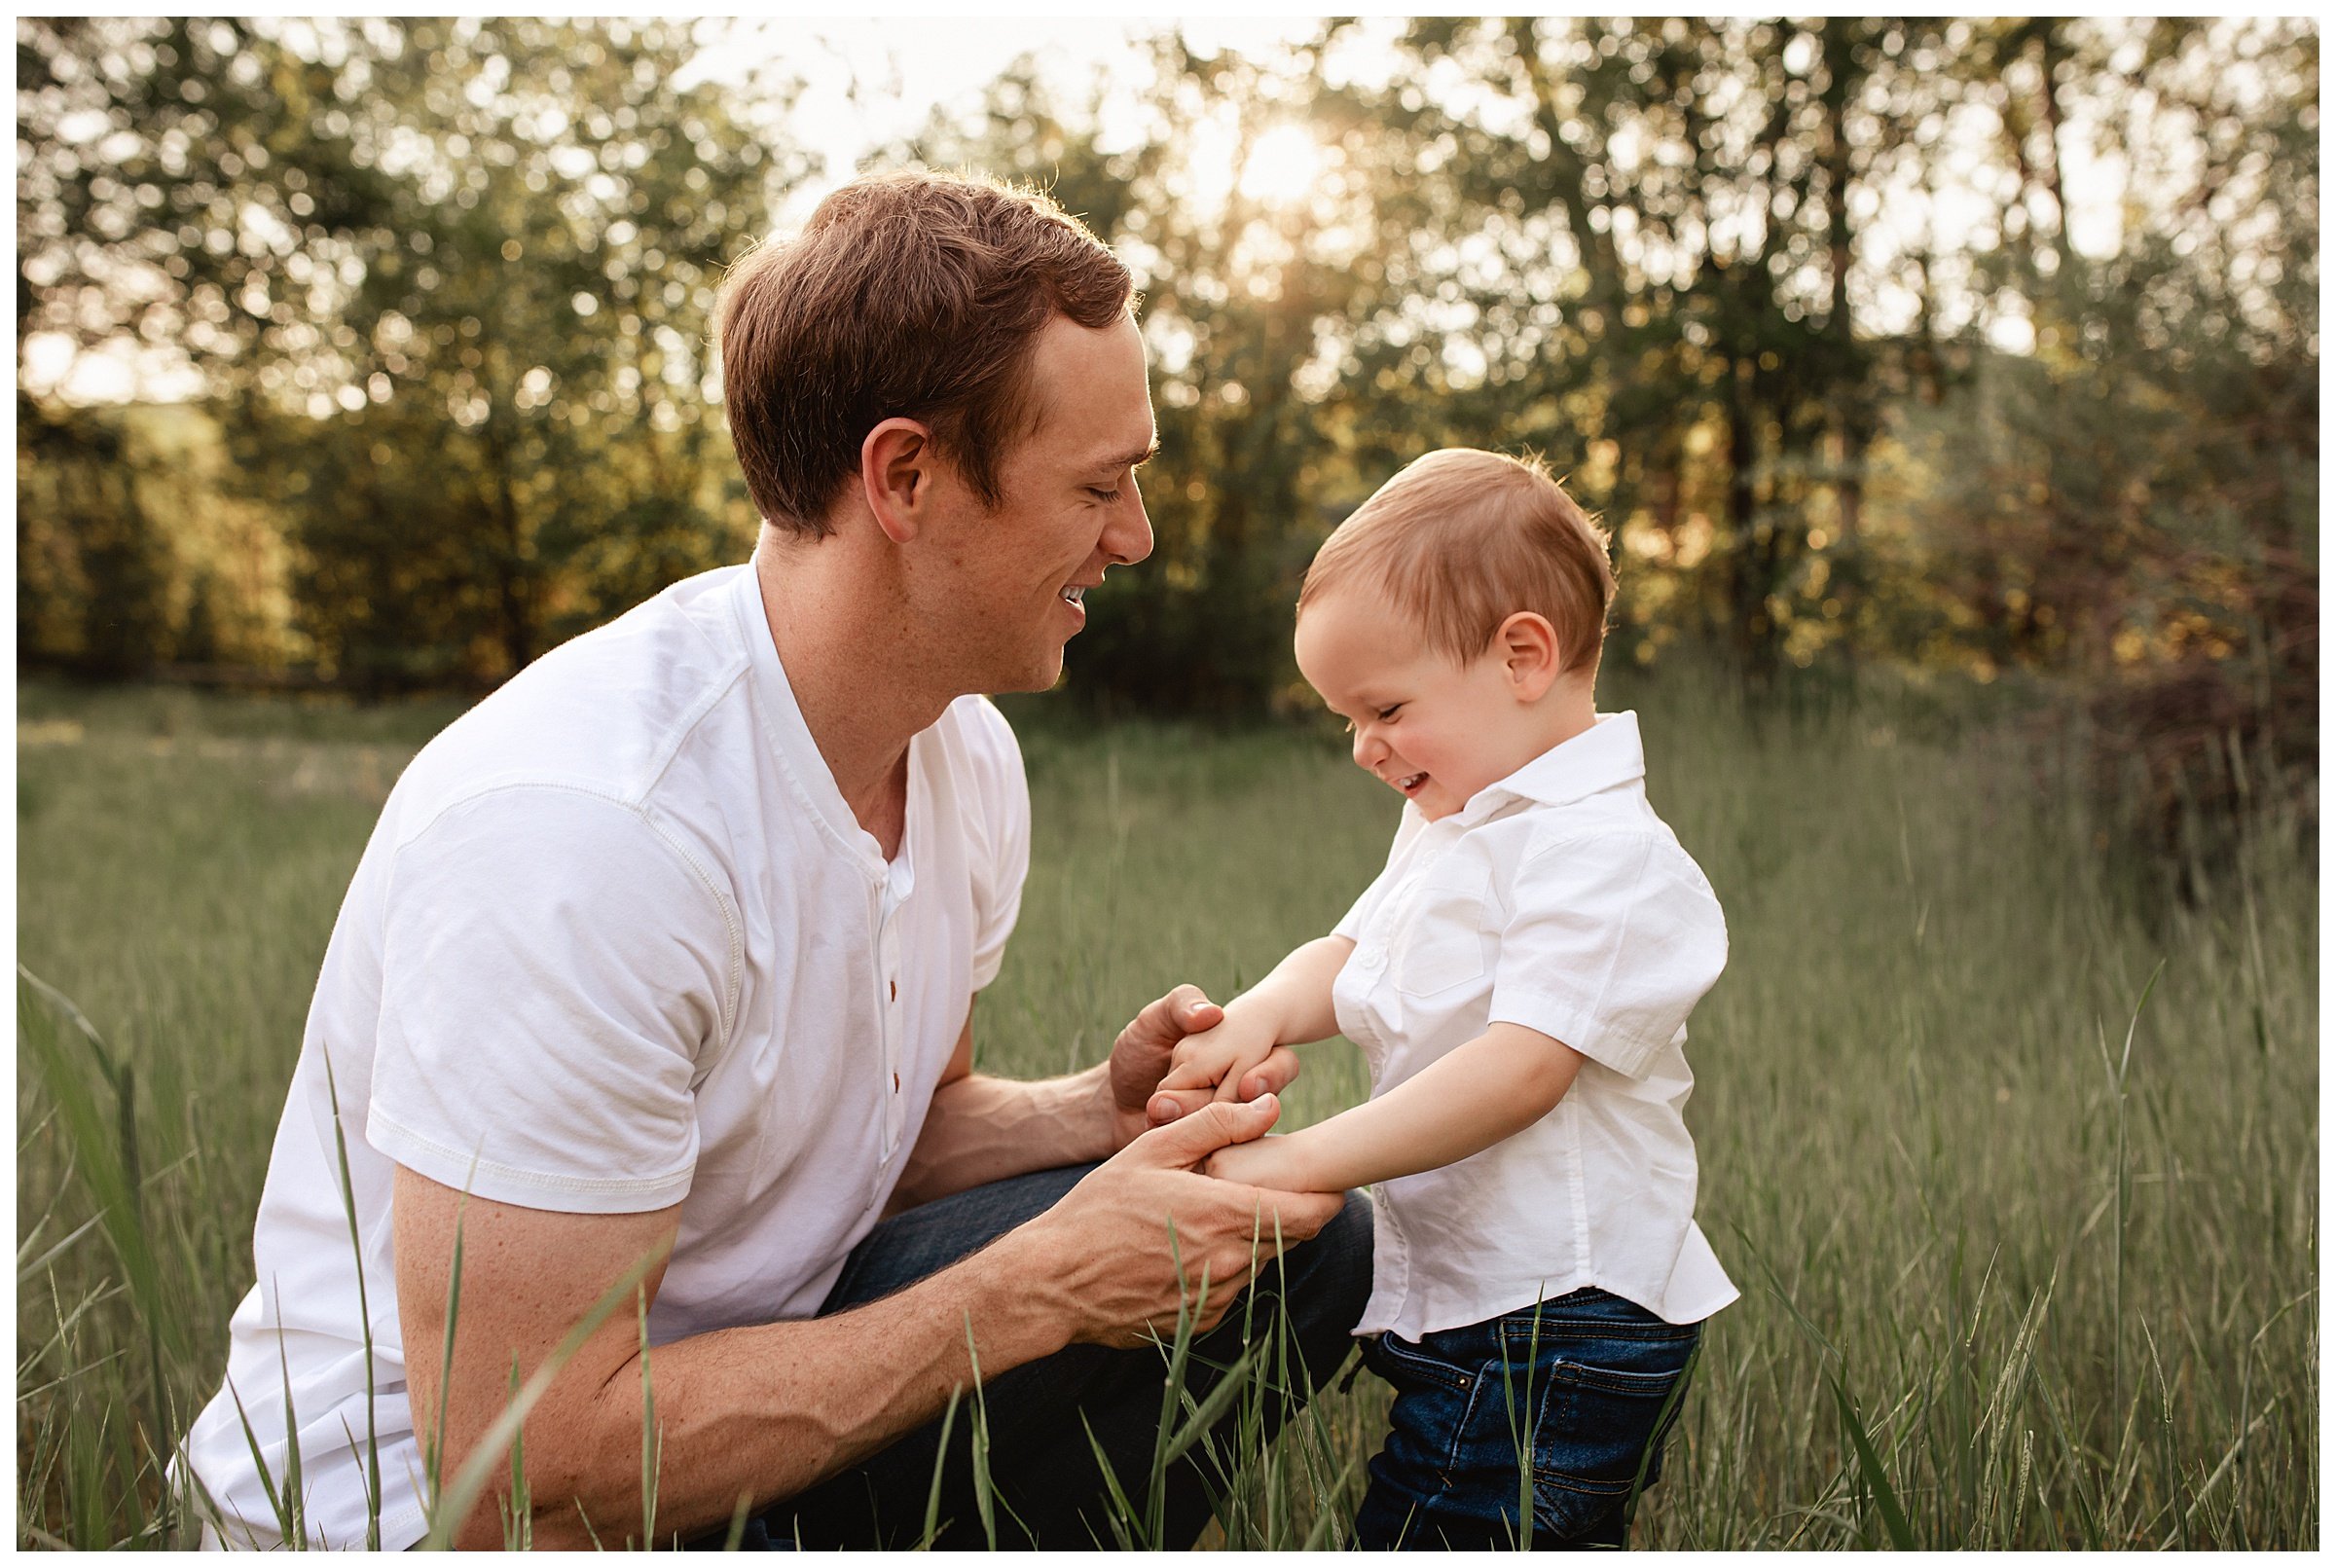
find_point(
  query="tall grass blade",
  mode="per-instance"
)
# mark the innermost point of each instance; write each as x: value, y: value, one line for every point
x: 276, y: 1503
x: 1203, y: 1415
x: 986, y: 1502
x: 651, y: 1444
x: 1663, y: 1431
x: 1520, y: 1430
x: 940, y: 1469
x: 519, y: 1509
x: 434, y: 1450
x: 107, y: 1156
x: 26, y: 1271
x: 737, y: 1533
x: 357, y: 1242
x: 296, y: 1534
x: 1869, y: 1465
x: 1328, y: 1519
x: 1122, y: 1513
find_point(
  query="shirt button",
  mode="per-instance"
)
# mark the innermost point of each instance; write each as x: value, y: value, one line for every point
x: 895, y: 1083
x: 895, y: 991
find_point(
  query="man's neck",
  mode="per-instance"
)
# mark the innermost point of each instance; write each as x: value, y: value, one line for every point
x: 853, y: 663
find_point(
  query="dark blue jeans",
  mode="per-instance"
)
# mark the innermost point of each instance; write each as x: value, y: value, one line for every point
x: 1041, y: 1466
x: 1584, y: 1397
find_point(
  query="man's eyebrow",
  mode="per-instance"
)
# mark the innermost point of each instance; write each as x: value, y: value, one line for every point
x: 1133, y: 460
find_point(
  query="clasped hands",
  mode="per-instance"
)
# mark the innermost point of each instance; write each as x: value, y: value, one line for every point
x: 1239, y: 1059
x: 1104, y: 1245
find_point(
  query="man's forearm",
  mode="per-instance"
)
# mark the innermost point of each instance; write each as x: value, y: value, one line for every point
x: 982, y: 1129
x: 761, y: 1412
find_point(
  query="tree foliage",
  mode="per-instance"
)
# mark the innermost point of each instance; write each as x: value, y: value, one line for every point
x: 452, y: 286
x: 1831, y: 320
x: 1715, y: 273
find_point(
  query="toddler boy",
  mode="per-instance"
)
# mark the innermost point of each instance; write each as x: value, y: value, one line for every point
x: 1519, y: 979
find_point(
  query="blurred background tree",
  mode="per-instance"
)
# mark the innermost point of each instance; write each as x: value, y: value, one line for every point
x: 1805, y: 309
x: 449, y: 289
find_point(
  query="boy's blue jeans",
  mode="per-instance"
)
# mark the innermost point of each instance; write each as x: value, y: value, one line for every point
x: 1043, y: 1468
x: 1581, y: 1399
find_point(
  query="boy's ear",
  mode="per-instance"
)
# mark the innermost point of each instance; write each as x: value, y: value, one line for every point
x: 1528, y: 644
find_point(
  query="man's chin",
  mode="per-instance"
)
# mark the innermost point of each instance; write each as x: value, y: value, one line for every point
x: 1043, y: 674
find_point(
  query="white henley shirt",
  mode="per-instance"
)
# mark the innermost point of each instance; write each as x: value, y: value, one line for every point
x: 617, y: 943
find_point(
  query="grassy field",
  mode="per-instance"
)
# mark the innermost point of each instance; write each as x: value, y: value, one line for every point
x: 2026, y: 1261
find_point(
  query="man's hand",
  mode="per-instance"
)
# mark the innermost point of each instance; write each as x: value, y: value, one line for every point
x: 1222, y: 1062
x: 1143, y: 1053
x: 1108, y: 1244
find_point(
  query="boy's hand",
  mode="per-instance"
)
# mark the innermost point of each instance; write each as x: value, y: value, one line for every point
x: 1225, y: 1063
x: 1266, y: 1162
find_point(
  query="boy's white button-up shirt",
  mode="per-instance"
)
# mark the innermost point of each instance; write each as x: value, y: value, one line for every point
x: 1558, y: 900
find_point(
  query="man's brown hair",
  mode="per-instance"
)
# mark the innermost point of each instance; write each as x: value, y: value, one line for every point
x: 1461, y: 541
x: 910, y: 295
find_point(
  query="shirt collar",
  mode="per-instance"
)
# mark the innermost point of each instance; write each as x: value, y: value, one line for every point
x: 1601, y: 757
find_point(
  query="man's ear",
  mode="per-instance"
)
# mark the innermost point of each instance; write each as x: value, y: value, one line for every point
x: 1527, y: 646
x: 897, y: 467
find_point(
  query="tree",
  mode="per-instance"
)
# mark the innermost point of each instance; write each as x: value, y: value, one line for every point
x: 453, y: 284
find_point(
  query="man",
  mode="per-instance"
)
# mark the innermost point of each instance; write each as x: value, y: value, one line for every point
x: 668, y: 952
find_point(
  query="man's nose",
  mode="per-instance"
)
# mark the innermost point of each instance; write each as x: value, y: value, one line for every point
x: 1128, y: 537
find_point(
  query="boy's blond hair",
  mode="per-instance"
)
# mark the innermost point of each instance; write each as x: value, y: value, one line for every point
x: 1461, y: 541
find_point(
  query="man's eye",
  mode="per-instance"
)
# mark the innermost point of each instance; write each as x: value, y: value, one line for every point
x: 1107, y: 496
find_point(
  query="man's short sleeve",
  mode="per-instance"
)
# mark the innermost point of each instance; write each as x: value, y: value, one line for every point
x: 1611, y: 942
x: 552, y: 969
x: 1000, y: 835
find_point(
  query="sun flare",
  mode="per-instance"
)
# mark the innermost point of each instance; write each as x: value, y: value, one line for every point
x: 1283, y: 166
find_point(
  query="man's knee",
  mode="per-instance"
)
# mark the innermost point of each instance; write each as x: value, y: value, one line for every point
x: 929, y: 1238
x: 1332, y: 1271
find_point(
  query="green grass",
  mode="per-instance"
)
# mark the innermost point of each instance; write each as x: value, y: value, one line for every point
x: 2026, y: 1262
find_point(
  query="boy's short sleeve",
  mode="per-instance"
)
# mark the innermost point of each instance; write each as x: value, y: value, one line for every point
x: 555, y: 970
x: 1610, y: 943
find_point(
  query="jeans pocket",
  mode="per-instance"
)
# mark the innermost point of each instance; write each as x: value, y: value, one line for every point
x: 1434, y: 1401
x: 1404, y: 1363
x: 1600, y: 1423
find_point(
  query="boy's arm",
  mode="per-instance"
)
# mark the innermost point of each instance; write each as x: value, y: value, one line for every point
x: 1289, y: 1007
x: 1294, y: 1000
x: 1496, y: 1085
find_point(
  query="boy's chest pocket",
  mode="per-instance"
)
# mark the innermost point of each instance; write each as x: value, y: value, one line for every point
x: 1429, y: 967
x: 1444, y: 945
